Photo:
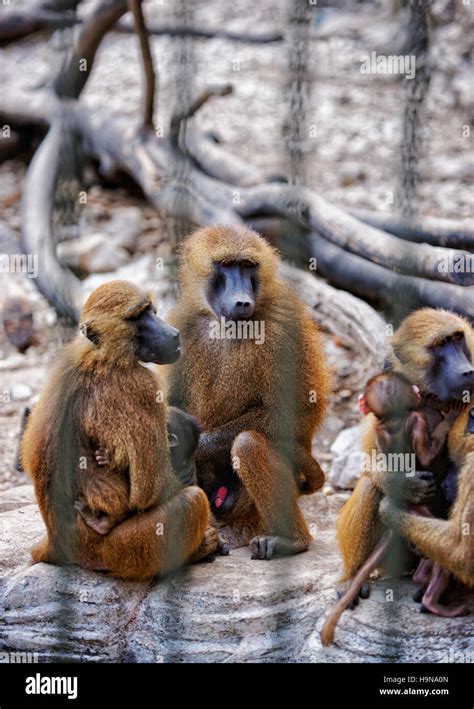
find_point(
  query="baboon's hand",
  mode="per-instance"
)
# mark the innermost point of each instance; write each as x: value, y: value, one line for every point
x: 455, y: 408
x: 419, y: 487
x: 211, y: 545
x: 101, y: 457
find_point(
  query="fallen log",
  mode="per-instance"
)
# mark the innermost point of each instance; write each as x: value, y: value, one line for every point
x: 356, y: 257
x: 207, y: 152
x: 58, y: 284
x: 48, y: 16
x: 313, y: 211
x: 397, y: 293
x: 349, y: 318
x: 451, y: 233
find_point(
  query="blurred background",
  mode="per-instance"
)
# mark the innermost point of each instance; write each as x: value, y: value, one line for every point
x: 105, y: 203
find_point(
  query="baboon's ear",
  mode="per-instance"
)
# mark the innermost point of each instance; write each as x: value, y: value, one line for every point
x: 86, y: 329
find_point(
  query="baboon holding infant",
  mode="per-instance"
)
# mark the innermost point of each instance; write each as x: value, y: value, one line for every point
x: 433, y: 349
x: 100, y: 396
x: 433, y: 377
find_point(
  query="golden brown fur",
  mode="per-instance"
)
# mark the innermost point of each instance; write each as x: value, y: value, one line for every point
x: 253, y: 401
x: 100, y: 396
x: 359, y: 527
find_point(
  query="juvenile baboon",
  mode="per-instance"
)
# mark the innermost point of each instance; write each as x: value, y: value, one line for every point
x: 400, y: 428
x: 253, y: 373
x: 99, y: 396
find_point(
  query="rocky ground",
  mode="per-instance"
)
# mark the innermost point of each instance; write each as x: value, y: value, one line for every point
x: 215, y: 612
x: 234, y: 610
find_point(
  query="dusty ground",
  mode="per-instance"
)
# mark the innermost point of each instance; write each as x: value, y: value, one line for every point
x: 353, y: 158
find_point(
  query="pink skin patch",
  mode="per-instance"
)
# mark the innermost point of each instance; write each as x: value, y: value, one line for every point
x: 220, y: 496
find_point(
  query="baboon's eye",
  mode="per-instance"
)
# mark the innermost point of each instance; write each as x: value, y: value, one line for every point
x: 134, y: 317
x: 218, y: 281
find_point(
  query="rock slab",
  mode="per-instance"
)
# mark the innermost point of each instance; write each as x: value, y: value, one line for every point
x: 234, y: 610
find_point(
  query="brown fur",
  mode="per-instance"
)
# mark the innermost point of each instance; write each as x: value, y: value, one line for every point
x: 100, y: 396
x: 359, y: 527
x: 251, y: 398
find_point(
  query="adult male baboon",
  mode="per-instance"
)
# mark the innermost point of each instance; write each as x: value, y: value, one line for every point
x: 100, y: 396
x: 253, y: 373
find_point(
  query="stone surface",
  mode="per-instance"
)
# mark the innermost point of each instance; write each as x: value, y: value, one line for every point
x: 232, y: 610
x: 16, y: 497
x: 93, y: 253
x: 348, y: 457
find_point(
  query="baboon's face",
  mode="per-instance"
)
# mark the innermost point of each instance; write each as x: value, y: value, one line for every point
x: 155, y: 340
x: 452, y: 371
x: 120, y: 320
x: 233, y: 289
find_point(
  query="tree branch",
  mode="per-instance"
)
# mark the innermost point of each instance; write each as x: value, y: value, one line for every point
x: 451, y: 233
x: 71, y: 80
x: 335, y: 225
x: 150, y: 78
x: 178, y: 120
x: 200, y: 33
x: 399, y: 294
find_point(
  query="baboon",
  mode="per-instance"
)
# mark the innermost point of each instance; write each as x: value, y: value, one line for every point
x: 183, y: 438
x: 99, y: 396
x: 399, y: 430
x: 433, y: 349
x: 254, y: 374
